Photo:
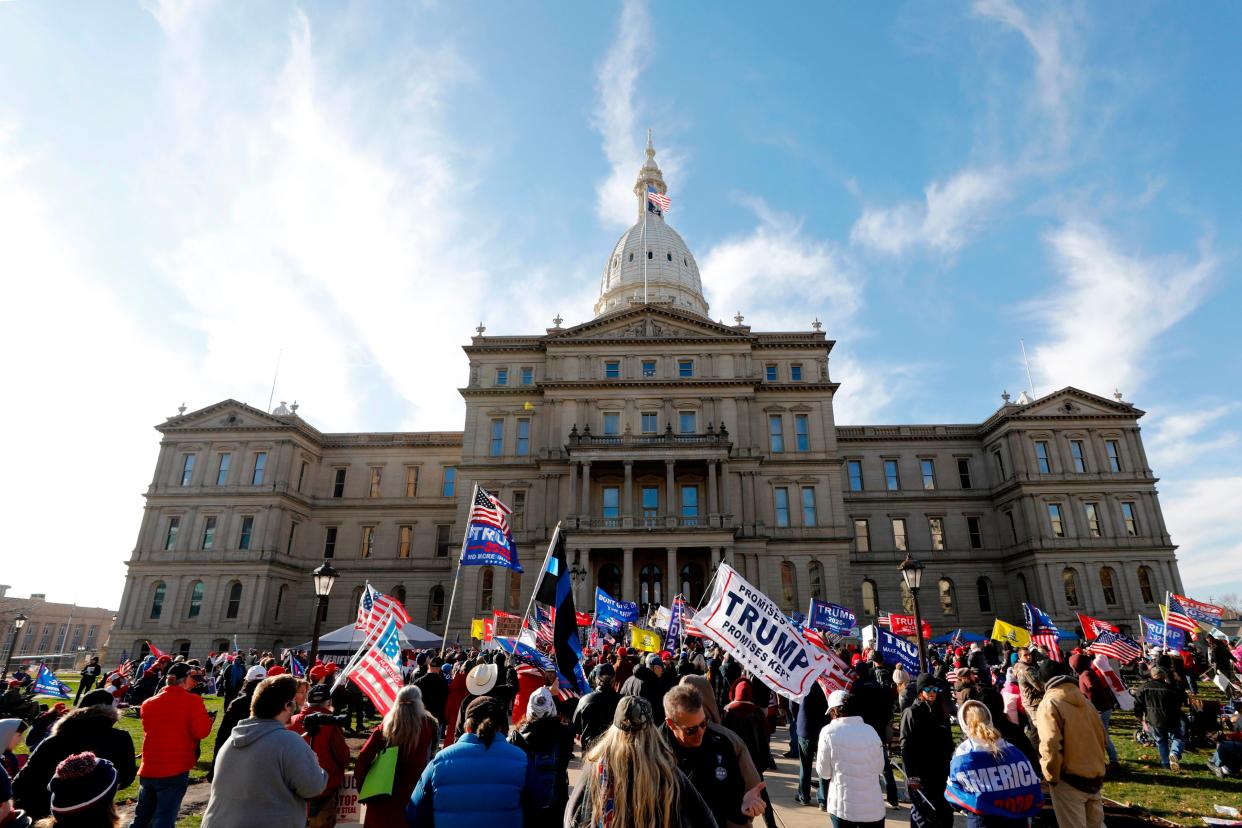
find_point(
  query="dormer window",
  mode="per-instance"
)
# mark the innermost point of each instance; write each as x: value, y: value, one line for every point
x: 631, y: 257
x: 670, y: 256
x: 648, y: 254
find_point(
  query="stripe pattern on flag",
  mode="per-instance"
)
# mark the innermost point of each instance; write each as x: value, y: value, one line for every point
x: 1116, y: 645
x: 1177, y: 616
x: 374, y: 607
x: 658, y: 199
x: 488, y: 509
x: 378, y: 672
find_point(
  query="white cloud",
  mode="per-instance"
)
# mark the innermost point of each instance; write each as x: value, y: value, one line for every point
x: 1107, y: 313
x: 1175, y: 440
x: 616, y: 116
x: 942, y: 222
x: 1204, y: 521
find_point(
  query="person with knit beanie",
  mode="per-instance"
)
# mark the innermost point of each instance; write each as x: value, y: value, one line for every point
x: 82, y: 792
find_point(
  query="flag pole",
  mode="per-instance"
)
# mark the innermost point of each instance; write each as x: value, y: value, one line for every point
x: 543, y: 570
x: 646, y: 210
x: 457, y: 575
x: 1164, y: 640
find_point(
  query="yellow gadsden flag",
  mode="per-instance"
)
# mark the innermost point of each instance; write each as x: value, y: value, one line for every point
x: 645, y: 640
x: 476, y: 628
x: 1016, y: 636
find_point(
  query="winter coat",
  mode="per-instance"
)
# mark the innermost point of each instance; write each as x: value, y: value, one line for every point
x: 1093, y: 685
x: 323, y: 733
x: 851, y: 758
x: 713, y: 769
x: 412, y: 760
x: 472, y: 785
x: 529, y: 679
x: 435, y: 692
x: 743, y: 718
x: 266, y: 774
x: 875, y: 704
x: 174, y: 721
x: 457, y: 693
x: 926, y: 743
x: 1028, y: 686
x: 1160, y: 704
x: 1013, y: 703
x: 645, y: 683
x: 238, y: 709
x: 1004, y: 785
x: 692, y: 810
x: 83, y: 729
x: 594, y: 714
x: 545, y: 736
x: 1071, y: 736
x: 812, y: 714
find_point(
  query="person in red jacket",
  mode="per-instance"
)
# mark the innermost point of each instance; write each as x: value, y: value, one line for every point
x: 323, y: 733
x: 174, y: 721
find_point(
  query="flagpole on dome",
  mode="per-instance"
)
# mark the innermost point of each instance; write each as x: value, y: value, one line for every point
x: 457, y: 575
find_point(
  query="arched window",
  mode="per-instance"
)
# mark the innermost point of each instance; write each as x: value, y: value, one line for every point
x: 515, y: 589
x: 789, y: 587
x: 692, y: 583
x: 984, y: 588
x: 817, y: 579
x: 157, y: 601
x: 398, y: 592
x: 1026, y: 593
x: 358, y: 590
x: 870, y: 600
x: 1108, y: 585
x: 181, y: 647
x: 610, y: 580
x: 948, y: 603
x: 280, y: 599
x: 485, y: 591
x: 435, y: 607
x: 650, y: 586
x: 234, y: 605
x: 1145, y: 585
x: 196, y: 600
x: 1069, y: 578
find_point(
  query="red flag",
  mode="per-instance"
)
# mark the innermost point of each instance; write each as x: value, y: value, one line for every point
x: 584, y: 619
x: 378, y: 672
x: 1091, y: 627
x: 155, y: 651
x: 904, y: 625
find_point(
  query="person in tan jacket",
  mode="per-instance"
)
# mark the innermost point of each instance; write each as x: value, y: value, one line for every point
x: 1072, y: 752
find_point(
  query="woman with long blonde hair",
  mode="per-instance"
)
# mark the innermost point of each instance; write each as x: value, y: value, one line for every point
x: 630, y: 779
x: 413, y: 731
x: 990, y: 779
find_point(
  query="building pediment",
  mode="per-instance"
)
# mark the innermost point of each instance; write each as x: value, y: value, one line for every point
x: 647, y: 323
x: 225, y: 415
x: 1073, y: 402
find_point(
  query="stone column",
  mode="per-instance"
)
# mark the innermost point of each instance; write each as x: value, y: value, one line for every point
x: 573, y: 488
x: 672, y: 580
x: 724, y: 487
x: 670, y: 492
x: 627, y: 574
x: 713, y: 512
x: 586, y: 490
x: 627, y: 502
x: 717, y: 556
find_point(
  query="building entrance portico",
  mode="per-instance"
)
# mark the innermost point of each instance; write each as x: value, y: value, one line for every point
x: 647, y: 573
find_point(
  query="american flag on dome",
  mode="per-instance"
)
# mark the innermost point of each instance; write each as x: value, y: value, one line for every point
x: 378, y: 672
x: 374, y: 607
x: 660, y: 200
x: 1115, y: 645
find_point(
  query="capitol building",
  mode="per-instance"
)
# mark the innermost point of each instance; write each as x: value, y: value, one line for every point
x: 664, y: 443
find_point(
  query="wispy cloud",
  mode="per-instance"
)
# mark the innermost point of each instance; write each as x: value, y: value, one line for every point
x: 616, y: 116
x: 1176, y: 440
x: 950, y: 212
x: 1206, y: 524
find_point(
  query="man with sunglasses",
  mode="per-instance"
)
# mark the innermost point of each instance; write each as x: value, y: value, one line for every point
x: 707, y: 758
x: 927, y: 745
x: 174, y: 721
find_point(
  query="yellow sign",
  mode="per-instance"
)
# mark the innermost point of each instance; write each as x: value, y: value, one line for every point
x: 1016, y: 636
x: 645, y: 640
x: 476, y: 628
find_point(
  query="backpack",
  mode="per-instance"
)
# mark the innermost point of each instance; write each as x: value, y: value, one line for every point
x: 542, y: 770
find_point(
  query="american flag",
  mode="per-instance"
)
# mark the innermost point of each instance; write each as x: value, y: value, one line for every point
x: 374, y: 607
x: 1178, y: 614
x: 658, y: 199
x: 489, y: 510
x: 883, y: 620
x: 836, y: 675
x: 1048, y: 641
x: 543, y: 625
x: 1116, y: 645
x: 378, y: 672
x: 125, y: 667
x: 819, y: 639
x: 693, y: 629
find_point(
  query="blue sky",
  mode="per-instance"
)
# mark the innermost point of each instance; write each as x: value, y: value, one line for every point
x: 186, y: 189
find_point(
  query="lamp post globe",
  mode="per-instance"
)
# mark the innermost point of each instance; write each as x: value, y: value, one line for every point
x: 324, y: 578
x: 18, y: 623
x: 912, y: 574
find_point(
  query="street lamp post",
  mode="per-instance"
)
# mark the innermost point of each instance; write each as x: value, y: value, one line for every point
x: 324, y: 576
x: 912, y: 574
x: 18, y: 623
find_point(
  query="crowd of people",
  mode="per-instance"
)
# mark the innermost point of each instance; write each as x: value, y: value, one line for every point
x: 671, y: 739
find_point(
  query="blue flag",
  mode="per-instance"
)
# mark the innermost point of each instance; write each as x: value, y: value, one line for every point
x: 525, y: 652
x: 996, y: 785
x: 555, y: 589
x: 1037, y: 621
x: 1154, y: 633
x: 611, y: 614
x: 829, y: 617
x: 489, y: 542
x: 675, y: 619
x: 46, y: 684
x: 895, y: 649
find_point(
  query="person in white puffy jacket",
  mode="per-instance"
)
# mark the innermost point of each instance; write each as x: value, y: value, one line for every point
x: 851, y: 759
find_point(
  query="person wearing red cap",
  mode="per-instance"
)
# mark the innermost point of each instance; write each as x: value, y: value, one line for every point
x: 275, y: 670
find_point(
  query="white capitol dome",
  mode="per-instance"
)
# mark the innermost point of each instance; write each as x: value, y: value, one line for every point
x: 653, y: 253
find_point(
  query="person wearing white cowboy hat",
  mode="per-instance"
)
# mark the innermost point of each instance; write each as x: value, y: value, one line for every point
x: 480, y: 681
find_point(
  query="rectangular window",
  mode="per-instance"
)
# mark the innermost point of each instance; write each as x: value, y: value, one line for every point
x: 1130, y: 518
x: 517, y: 520
x: 209, y: 532
x: 442, y: 540
x: 260, y: 464
x: 892, y: 480
x: 963, y: 472
x: 687, y: 422
x: 523, y: 438
x: 856, y: 477
x: 247, y: 529
x: 781, y: 499
x: 802, y: 432
x: 502, y: 376
x: 928, y: 468
x: 368, y: 542
x: 649, y: 368
x: 862, y: 535
x: 1041, y: 457
x: 685, y: 368
x: 1093, y: 519
x: 1013, y: 526
x: 376, y: 474
x: 651, y: 505
x: 769, y: 373
x: 899, y: 534
x: 650, y: 422
x: 1057, y: 520
x: 1000, y: 463
x: 404, y: 535
x: 329, y: 541
x: 449, y: 487
x: 975, y: 532
x: 612, y: 423
x: 690, y: 505
x: 302, y: 474
x: 187, y: 469
x: 528, y: 376
x: 1080, y: 460
x: 775, y: 435
x: 170, y: 537
x: 1114, y: 455
x: 411, y: 481
x: 795, y: 372
x: 338, y: 483
x: 222, y: 471
x: 935, y: 526
x: 611, y: 505
x: 808, y: 506
x: 612, y: 369
x: 497, y: 446
x: 293, y: 531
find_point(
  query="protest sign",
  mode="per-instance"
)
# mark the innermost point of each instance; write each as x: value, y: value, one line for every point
x: 349, y: 811
x: 829, y: 617
x: 1155, y: 633
x: 752, y: 628
x: 894, y: 648
x: 507, y: 626
x: 904, y: 625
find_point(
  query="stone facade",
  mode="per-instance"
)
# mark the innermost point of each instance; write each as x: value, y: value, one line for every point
x: 59, y: 634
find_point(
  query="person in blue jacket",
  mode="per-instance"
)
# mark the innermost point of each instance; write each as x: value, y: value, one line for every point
x: 990, y: 779
x: 478, y: 782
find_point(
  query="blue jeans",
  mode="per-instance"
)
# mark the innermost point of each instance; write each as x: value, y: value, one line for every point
x: 1169, y: 743
x: 159, y: 801
x: 1105, y: 717
x: 806, y: 763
